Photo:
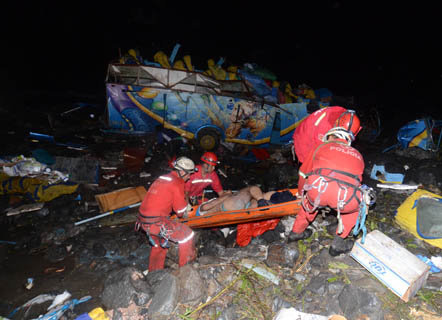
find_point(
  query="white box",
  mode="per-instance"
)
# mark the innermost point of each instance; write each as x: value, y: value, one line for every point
x: 396, y: 267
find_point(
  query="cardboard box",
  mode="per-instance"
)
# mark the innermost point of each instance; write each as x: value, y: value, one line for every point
x: 396, y: 267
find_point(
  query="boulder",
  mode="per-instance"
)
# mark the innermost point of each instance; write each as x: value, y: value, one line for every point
x: 124, y: 286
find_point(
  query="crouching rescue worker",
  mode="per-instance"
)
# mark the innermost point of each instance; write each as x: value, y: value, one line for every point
x: 331, y: 176
x: 310, y: 132
x: 164, y: 195
x: 204, y: 177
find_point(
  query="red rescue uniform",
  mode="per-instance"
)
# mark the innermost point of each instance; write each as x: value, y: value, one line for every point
x: 164, y: 195
x: 308, y: 135
x: 331, y: 176
x: 197, y: 182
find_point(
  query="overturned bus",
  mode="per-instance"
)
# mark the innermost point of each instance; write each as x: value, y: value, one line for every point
x: 144, y: 98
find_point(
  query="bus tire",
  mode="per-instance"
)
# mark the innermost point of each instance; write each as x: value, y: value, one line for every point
x: 208, y: 139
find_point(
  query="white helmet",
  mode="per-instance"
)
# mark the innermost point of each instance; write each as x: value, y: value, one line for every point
x: 340, y: 133
x: 185, y: 164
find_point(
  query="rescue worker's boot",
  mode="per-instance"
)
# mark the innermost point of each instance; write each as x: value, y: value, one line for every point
x: 339, y: 246
x: 186, y: 251
x: 294, y: 236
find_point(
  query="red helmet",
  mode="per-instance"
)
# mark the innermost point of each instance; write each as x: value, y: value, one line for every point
x: 210, y: 158
x: 172, y: 162
x: 349, y: 121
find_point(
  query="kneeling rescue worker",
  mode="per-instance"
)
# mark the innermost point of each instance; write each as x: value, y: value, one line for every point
x: 204, y: 177
x: 331, y: 176
x: 164, y: 195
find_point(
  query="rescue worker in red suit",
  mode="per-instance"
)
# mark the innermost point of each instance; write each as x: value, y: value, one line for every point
x: 204, y: 177
x: 310, y: 132
x: 164, y: 195
x: 331, y: 176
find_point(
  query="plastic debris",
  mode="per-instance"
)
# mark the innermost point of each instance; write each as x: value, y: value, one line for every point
x: 25, y: 167
x: 8, y: 242
x: 292, y: 314
x: 437, y: 261
x: 109, y: 168
x: 397, y: 186
x: 60, y: 310
x: 222, y: 173
x: 37, y: 137
x: 379, y: 173
x: 226, y: 231
x: 262, y: 271
x: 29, y: 167
x: 145, y: 174
x: 57, y: 308
x: 24, y: 208
x: 37, y: 300
x: 98, y: 314
x: 107, y: 213
x: 29, y: 283
x: 59, y: 299
x: 95, y: 314
x: 433, y: 268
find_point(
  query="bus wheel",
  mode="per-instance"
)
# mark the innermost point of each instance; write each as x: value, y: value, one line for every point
x: 208, y: 139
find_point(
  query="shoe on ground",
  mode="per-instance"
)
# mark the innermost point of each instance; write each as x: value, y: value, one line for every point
x: 340, y: 246
x: 293, y: 236
x: 263, y: 203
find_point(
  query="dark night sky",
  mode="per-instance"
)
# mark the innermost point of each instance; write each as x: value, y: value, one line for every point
x: 391, y: 52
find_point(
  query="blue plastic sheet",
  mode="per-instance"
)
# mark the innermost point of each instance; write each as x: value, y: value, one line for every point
x: 389, y: 177
x: 257, y: 83
x: 415, y: 134
x: 419, y: 133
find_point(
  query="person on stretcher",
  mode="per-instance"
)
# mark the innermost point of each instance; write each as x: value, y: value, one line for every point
x: 248, y: 197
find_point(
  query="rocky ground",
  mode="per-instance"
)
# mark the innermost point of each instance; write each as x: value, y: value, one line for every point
x: 106, y: 259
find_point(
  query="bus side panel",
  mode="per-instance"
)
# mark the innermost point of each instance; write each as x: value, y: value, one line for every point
x: 124, y: 114
x: 290, y: 122
x: 242, y: 121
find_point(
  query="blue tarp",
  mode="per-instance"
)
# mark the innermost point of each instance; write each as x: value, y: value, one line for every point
x: 423, y: 133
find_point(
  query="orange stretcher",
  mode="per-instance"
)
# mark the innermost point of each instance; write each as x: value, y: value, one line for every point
x: 223, y: 218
